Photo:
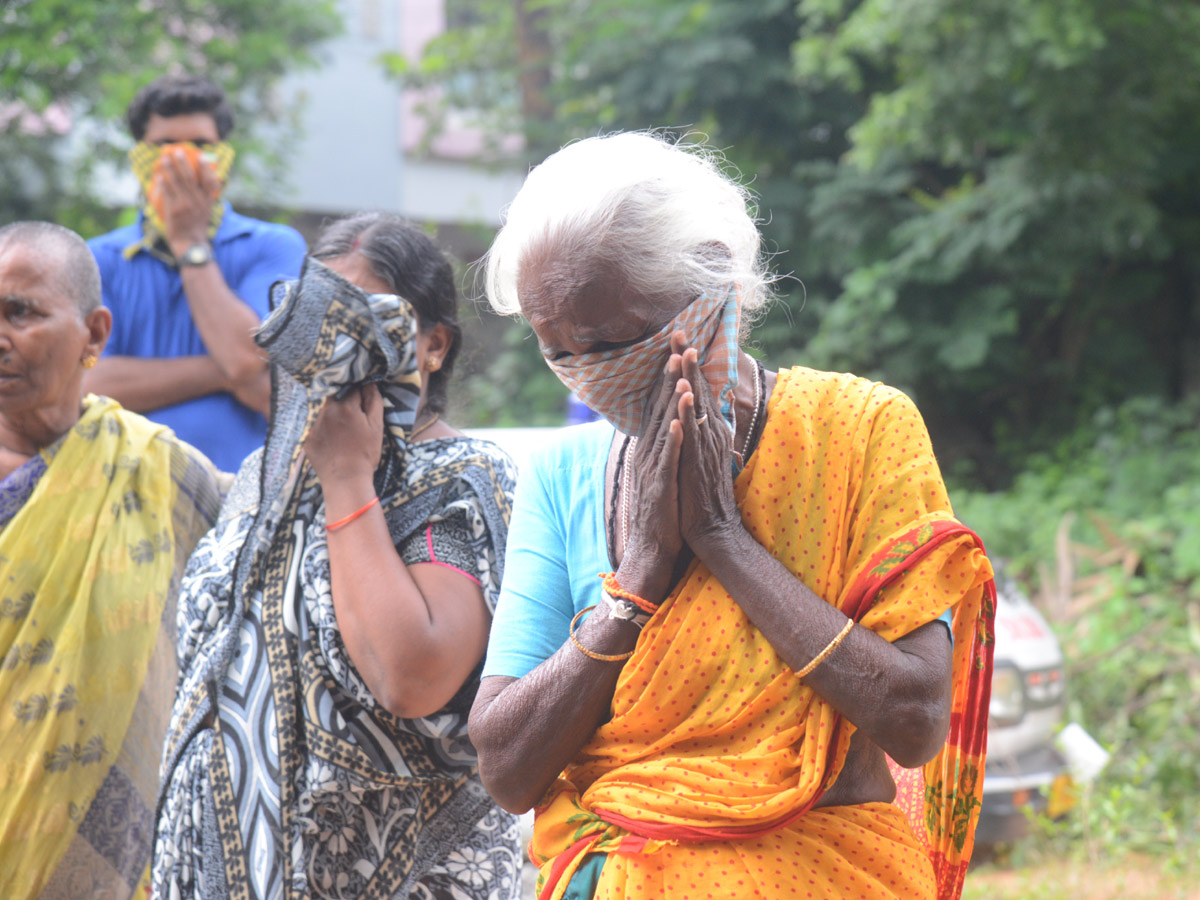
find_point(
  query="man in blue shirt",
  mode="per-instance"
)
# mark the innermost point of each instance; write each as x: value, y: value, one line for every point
x: 188, y: 283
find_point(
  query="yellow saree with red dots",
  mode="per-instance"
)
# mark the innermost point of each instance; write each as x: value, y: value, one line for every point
x: 703, y: 782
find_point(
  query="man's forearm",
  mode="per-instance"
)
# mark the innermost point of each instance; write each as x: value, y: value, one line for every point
x: 144, y: 385
x: 226, y: 325
x: 254, y: 392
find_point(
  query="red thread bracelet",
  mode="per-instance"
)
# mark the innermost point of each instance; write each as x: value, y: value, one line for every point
x: 334, y: 526
x: 613, y: 589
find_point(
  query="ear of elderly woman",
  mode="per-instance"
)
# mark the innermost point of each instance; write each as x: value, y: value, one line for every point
x: 774, y: 632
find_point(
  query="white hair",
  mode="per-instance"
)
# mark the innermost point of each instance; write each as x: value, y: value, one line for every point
x: 666, y: 216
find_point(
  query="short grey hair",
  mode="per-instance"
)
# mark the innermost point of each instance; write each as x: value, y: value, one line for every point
x: 74, y: 266
x: 671, y: 218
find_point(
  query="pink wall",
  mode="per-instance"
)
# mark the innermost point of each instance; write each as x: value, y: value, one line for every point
x: 419, y: 22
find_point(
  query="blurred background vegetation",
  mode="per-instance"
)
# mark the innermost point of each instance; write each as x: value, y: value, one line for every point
x: 69, y: 68
x: 992, y: 204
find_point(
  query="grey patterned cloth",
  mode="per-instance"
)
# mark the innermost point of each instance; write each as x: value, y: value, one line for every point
x: 282, y: 775
x: 325, y: 335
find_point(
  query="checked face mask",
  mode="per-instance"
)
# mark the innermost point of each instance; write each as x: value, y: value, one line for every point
x: 619, y: 383
x: 146, y: 162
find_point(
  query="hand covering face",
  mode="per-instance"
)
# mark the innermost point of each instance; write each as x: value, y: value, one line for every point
x: 618, y: 383
x: 325, y: 335
x: 146, y: 161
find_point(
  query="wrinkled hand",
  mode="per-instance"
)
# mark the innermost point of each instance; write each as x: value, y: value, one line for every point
x: 187, y: 199
x: 707, y: 508
x: 652, y: 472
x: 346, y: 441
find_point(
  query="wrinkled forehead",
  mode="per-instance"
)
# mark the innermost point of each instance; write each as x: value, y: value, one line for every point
x: 556, y: 280
x: 26, y: 267
x: 551, y: 277
x: 570, y: 302
x: 45, y: 274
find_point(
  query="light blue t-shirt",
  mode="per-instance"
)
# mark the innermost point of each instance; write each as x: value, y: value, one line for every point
x: 557, y: 546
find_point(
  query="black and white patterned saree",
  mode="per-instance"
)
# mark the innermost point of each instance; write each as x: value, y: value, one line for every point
x: 282, y: 775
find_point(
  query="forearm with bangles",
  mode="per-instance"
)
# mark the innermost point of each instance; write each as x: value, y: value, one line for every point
x: 897, y: 693
x: 527, y: 729
x: 346, y: 520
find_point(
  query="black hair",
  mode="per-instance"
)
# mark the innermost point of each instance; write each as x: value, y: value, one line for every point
x: 69, y: 258
x: 407, y: 260
x: 179, y: 95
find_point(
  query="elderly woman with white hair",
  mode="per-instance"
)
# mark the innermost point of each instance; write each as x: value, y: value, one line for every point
x: 791, y: 632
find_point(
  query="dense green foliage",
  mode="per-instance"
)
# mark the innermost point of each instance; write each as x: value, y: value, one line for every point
x: 1108, y: 528
x: 89, y: 58
x: 992, y: 204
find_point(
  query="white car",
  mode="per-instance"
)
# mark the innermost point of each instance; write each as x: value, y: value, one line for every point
x: 1028, y: 688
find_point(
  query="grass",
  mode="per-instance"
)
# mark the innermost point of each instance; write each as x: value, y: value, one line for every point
x: 1074, y: 878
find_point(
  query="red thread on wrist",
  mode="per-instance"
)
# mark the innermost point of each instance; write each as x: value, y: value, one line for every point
x: 613, y: 589
x: 334, y: 526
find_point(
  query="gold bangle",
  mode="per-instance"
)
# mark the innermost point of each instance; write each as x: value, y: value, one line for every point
x: 591, y: 654
x: 829, y: 648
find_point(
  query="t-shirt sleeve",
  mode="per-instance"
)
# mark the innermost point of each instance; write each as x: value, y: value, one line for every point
x: 945, y: 617
x: 535, y: 607
x: 279, y: 257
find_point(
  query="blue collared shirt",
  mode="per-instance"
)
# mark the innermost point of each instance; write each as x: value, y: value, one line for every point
x: 152, y: 320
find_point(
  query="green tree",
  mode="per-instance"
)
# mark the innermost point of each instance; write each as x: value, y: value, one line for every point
x: 85, y: 59
x: 990, y: 203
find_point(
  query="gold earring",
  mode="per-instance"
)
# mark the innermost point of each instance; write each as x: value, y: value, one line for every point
x: 434, y: 365
x: 89, y: 362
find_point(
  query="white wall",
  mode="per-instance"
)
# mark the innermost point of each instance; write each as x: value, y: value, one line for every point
x: 361, y: 133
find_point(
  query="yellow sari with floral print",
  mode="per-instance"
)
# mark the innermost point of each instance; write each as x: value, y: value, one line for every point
x: 90, y: 554
x: 704, y: 781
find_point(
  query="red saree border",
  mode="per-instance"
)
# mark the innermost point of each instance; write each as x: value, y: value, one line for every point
x: 885, y: 566
x: 562, y: 862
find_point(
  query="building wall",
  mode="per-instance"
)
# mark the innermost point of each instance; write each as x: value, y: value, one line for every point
x: 363, y: 143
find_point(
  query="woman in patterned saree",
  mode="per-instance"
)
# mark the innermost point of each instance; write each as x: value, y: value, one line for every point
x: 333, y: 624
x: 99, y: 509
x: 790, y: 604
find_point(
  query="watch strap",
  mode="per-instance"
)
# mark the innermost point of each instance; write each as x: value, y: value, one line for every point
x: 196, y: 255
x: 625, y: 610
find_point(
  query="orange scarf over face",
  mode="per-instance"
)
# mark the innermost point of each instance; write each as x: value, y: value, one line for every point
x: 703, y: 782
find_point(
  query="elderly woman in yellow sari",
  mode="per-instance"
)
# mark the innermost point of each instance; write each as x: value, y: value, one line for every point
x: 778, y: 685
x: 99, y: 510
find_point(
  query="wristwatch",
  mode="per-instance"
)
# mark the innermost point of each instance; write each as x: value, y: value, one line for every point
x: 626, y: 611
x: 196, y: 255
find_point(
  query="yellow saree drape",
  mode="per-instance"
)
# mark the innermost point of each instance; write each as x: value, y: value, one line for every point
x: 703, y: 781
x: 87, y: 568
